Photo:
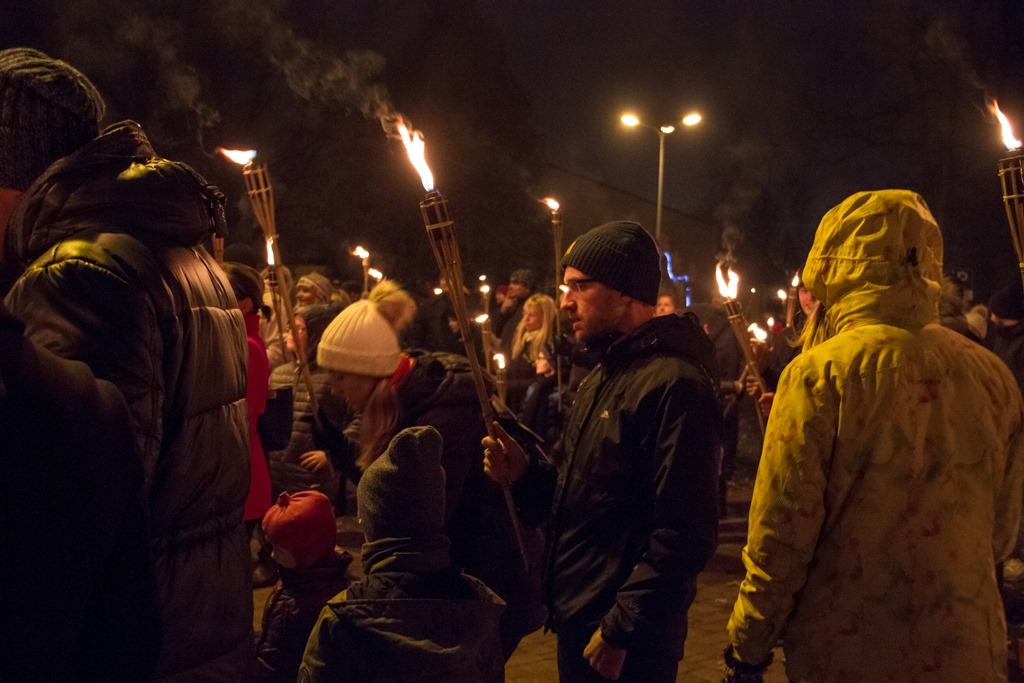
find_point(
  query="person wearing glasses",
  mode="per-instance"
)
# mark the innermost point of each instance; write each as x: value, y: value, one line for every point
x: 634, y: 517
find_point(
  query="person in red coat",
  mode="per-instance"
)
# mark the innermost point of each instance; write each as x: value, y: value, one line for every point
x: 248, y: 287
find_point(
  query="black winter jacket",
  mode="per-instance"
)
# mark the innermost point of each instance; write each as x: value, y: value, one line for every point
x: 116, y: 277
x: 634, y: 515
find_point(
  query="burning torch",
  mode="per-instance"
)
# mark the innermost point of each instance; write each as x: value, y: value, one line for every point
x: 365, y: 256
x: 261, y: 195
x: 1011, y: 175
x: 484, y: 319
x: 791, y: 299
x: 441, y: 232
x: 734, y: 310
x: 501, y: 376
x: 556, y: 233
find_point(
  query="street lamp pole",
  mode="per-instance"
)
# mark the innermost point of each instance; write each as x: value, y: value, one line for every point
x: 661, y: 179
x: 631, y: 120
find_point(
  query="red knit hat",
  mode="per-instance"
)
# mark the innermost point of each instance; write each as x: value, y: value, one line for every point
x: 302, y: 523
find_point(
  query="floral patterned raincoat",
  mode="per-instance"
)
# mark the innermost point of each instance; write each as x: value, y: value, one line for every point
x: 892, y: 473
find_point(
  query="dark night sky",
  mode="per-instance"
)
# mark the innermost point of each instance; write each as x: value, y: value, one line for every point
x: 804, y: 103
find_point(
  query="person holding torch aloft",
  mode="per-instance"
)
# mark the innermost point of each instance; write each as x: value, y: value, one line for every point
x: 632, y: 514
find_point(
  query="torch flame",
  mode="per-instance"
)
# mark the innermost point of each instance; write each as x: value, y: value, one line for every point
x: 1011, y: 142
x: 485, y: 289
x: 360, y: 252
x: 552, y: 204
x: 239, y: 156
x: 481, y: 319
x: 499, y: 358
x: 782, y: 294
x: 376, y: 274
x: 759, y: 334
x: 728, y: 290
x: 770, y: 321
x: 270, y: 253
x: 796, y: 280
x: 416, y: 148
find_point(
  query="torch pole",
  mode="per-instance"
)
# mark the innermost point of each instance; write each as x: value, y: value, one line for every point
x: 556, y: 233
x: 261, y: 194
x: 739, y: 328
x: 441, y: 233
x: 1011, y: 176
x: 794, y: 294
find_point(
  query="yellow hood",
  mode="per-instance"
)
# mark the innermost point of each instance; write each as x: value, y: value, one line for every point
x: 876, y: 258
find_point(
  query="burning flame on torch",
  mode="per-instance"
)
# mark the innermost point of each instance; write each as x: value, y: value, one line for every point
x: 416, y: 148
x: 552, y: 204
x: 782, y: 294
x: 270, y: 253
x: 360, y: 252
x: 728, y: 290
x: 1011, y: 142
x: 499, y: 358
x: 239, y: 156
x: 759, y: 334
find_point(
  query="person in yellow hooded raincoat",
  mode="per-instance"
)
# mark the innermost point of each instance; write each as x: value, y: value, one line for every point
x: 891, y: 479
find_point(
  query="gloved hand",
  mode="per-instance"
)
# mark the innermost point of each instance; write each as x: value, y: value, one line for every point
x: 737, y: 671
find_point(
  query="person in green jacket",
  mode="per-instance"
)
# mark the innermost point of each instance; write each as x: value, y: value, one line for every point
x: 891, y: 478
x: 415, y: 616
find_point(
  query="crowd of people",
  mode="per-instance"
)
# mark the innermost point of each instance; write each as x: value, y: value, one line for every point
x: 195, y: 443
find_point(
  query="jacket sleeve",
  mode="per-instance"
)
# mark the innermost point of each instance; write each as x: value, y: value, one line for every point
x: 1008, y: 529
x: 327, y: 657
x: 79, y: 309
x: 786, y: 513
x: 685, y: 446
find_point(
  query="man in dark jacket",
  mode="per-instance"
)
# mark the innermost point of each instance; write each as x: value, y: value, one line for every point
x: 108, y: 239
x: 634, y: 516
x: 74, y: 520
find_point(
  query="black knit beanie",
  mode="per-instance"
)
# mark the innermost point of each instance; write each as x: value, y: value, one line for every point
x: 1008, y: 302
x: 48, y: 109
x: 620, y: 255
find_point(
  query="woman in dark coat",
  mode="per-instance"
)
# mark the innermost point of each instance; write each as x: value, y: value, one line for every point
x: 392, y: 390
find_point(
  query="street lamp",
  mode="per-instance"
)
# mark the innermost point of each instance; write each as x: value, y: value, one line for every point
x: 691, y: 119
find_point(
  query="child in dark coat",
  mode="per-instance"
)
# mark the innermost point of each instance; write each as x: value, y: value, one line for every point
x: 415, y: 615
x: 301, y: 529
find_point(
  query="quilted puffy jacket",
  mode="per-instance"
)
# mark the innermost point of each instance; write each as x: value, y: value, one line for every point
x: 116, y: 277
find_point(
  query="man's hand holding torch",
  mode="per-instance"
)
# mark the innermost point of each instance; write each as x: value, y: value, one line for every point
x: 504, y: 459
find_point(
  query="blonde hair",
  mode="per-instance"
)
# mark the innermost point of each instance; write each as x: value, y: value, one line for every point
x: 380, y: 417
x: 533, y: 346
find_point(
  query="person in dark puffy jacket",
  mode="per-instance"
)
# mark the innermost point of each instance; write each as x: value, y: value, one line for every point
x: 633, y: 514
x: 108, y: 241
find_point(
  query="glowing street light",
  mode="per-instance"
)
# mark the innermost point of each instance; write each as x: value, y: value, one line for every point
x: 631, y: 120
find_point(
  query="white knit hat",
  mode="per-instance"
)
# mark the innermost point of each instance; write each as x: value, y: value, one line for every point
x: 360, y: 341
